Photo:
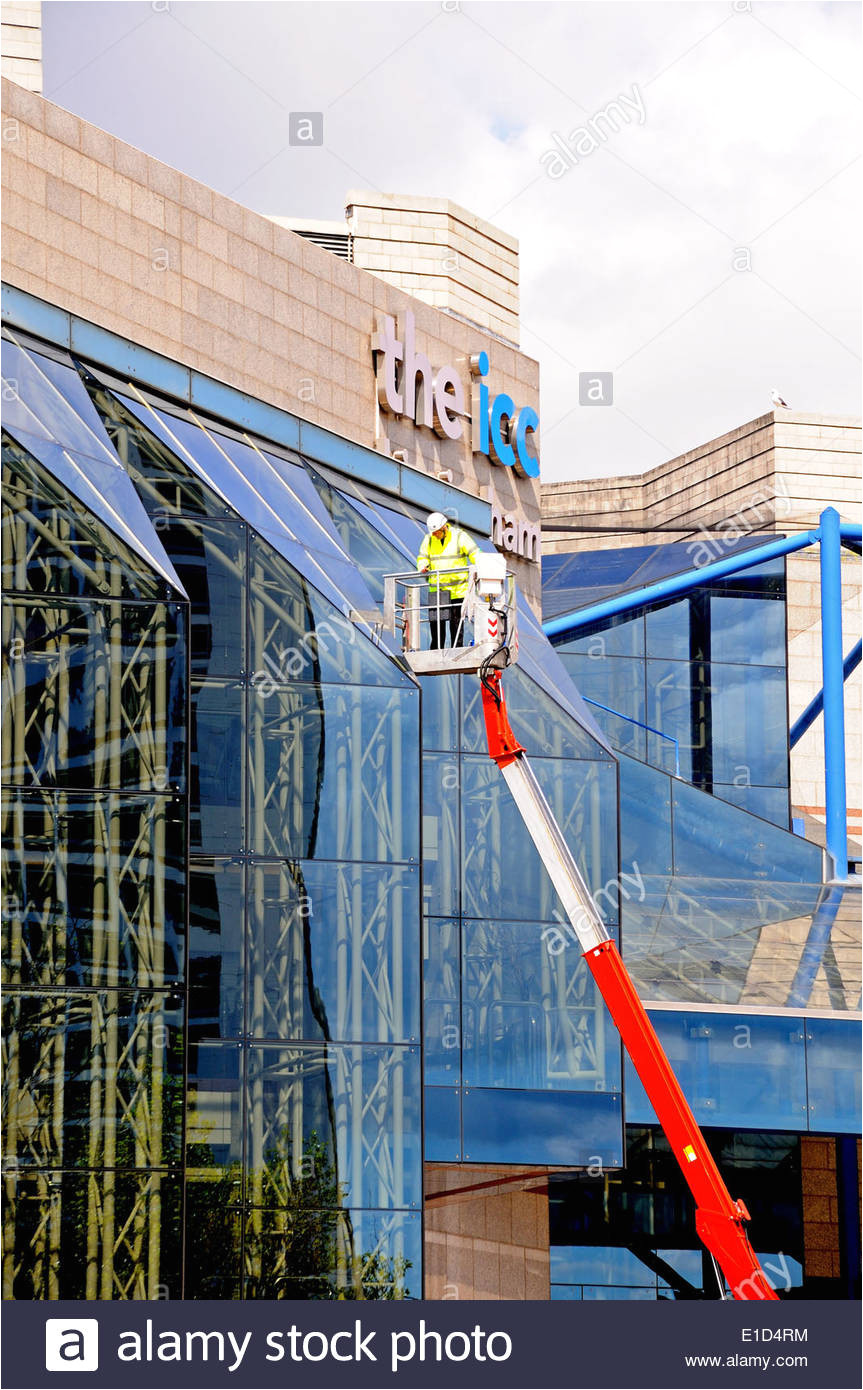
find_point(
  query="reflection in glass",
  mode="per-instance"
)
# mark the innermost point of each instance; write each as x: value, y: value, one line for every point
x: 332, y: 773
x: 532, y: 1017
x: 833, y: 1074
x: 216, y: 934
x: 735, y: 1070
x: 442, y: 1002
x: 442, y: 1124
x: 52, y: 544
x: 73, y: 1236
x: 94, y: 889
x: 110, y: 1064
x: 94, y: 695
x: 345, y: 1115
x: 217, y: 766
x: 572, y: 1128
x: 312, y: 1253
x: 332, y: 951
x: 714, y: 846
x: 582, y: 796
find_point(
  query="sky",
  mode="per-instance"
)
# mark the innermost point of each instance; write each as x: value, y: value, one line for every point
x: 702, y: 245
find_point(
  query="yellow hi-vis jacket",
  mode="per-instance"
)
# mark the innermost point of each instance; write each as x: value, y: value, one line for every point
x: 456, y: 551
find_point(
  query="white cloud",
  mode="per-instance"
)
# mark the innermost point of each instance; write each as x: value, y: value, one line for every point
x: 742, y: 125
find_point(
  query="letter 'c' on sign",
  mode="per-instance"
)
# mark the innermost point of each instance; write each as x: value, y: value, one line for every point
x: 527, y: 462
x: 502, y: 409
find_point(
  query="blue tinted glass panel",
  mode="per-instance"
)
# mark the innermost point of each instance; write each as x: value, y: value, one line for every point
x: 582, y: 796
x: 336, y: 772
x: 332, y: 952
x: 296, y: 634
x: 599, y: 1264
x: 770, y: 803
x: 565, y: 1293
x: 645, y: 819
x: 669, y: 709
x: 747, y: 630
x: 750, y: 724
x: 537, y: 721
x: 40, y: 415
x: 620, y: 635
x: 441, y: 843
x: 617, y: 1294
x: 216, y: 949
x: 617, y: 684
x: 532, y: 1017
x: 214, y: 1119
x: 711, y: 841
x: 441, y: 1001
x: 736, y: 1071
x: 668, y: 633
x: 218, y: 754
x: 37, y: 511
x: 442, y: 1124
x: 575, y: 1128
x: 833, y: 1070
x: 210, y: 557
x: 353, y: 1111
x: 440, y: 711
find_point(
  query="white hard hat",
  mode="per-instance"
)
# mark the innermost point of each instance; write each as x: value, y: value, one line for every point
x: 435, y: 521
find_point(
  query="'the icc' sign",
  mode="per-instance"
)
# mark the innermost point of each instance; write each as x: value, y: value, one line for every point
x: 407, y: 385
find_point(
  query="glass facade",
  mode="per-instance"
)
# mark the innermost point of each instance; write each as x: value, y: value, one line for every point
x: 274, y: 933
x: 695, y: 686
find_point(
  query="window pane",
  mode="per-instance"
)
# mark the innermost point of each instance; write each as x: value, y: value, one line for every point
x: 333, y: 1254
x: 532, y: 1015
x: 441, y: 842
x: 714, y: 845
x: 213, y: 1230
x: 441, y: 1002
x: 214, y: 1119
x: 621, y: 635
x: 833, y: 1071
x: 52, y: 543
x: 645, y: 819
x: 503, y: 875
x: 442, y: 1124
x: 53, y: 1218
x: 298, y: 635
x: 735, y: 1070
x: 97, y: 1080
x: 216, y: 949
x: 619, y: 685
x: 769, y: 803
x: 83, y: 903
x: 747, y: 629
x: 334, y: 773
x: 95, y: 695
x: 576, y: 1129
x: 537, y: 722
x: 440, y: 706
x: 210, y: 557
x: 218, y: 756
x: 750, y: 725
x: 347, y: 1116
x: 333, y: 952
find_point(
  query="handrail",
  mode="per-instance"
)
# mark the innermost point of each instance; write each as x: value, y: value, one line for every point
x: 641, y: 724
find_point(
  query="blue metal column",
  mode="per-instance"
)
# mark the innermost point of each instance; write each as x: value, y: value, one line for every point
x: 834, y: 694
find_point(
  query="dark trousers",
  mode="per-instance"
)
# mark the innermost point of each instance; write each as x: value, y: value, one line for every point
x: 447, y: 613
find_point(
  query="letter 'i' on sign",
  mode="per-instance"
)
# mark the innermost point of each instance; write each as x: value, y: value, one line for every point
x: 71, y: 1344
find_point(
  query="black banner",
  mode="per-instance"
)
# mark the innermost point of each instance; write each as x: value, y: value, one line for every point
x: 531, y: 1346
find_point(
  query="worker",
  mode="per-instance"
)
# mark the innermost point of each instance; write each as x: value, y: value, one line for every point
x: 445, y: 553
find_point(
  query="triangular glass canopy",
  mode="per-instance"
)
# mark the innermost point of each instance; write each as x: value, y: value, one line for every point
x: 273, y: 495
x: 46, y: 409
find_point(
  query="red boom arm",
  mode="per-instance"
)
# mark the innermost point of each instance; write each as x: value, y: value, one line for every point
x: 719, y: 1220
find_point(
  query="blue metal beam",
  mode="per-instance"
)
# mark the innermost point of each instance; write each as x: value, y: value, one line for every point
x: 812, y: 955
x: 814, y: 708
x: 677, y: 584
x: 834, y: 693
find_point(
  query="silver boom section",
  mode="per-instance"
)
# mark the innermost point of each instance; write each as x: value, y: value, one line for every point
x: 568, y: 880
